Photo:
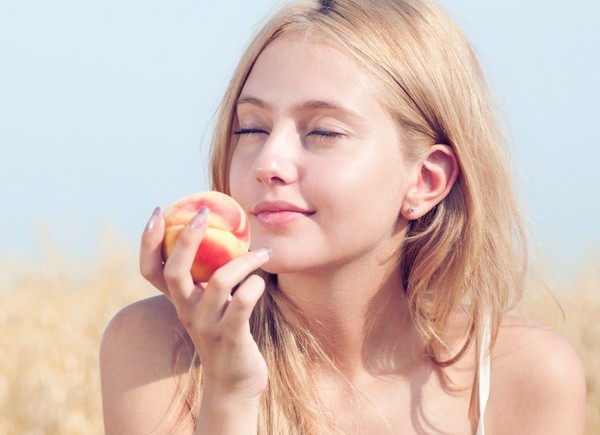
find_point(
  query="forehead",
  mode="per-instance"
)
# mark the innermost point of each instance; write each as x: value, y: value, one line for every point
x: 309, y: 63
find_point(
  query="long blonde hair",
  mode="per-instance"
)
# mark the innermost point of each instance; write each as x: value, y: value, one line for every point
x: 468, y: 251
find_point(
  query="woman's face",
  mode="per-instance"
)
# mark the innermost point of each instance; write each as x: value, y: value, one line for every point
x: 318, y: 164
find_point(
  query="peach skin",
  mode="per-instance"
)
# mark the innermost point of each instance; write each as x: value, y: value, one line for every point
x: 227, y: 235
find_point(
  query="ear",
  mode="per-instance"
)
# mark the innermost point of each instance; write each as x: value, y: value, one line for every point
x: 437, y: 174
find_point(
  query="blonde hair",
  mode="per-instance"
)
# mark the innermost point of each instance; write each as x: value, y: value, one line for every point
x: 467, y: 253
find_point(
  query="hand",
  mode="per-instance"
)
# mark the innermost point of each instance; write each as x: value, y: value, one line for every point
x: 216, y: 321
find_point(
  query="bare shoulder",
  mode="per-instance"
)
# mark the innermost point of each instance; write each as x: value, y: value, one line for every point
x: 144, y: 352
x: 148, y: 328
x: 538, y: 383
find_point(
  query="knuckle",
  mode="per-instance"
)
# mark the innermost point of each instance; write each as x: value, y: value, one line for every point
x: 246, y: 297
x: 147, y: 271
x: 220, y: 279
x: 256, y: 281
x: 172, y: 275
x: 243, y: 300
x: 197, y: 326
x: 186, y: 239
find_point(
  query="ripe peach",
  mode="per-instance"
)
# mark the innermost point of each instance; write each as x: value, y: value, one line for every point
x: 227, y: 235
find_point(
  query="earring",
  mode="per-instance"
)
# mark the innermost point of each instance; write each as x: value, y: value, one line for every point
x: 411, y: 209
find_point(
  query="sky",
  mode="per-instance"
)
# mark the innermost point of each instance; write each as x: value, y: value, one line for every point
x: 106, y: 109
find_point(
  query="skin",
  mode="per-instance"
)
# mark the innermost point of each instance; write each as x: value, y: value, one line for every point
x: 321, y: 142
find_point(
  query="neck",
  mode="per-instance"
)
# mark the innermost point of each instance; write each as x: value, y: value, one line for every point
x: 359, y: 315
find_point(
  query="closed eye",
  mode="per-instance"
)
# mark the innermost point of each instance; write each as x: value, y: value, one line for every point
x: 249, y: 131
x: 326, y: 134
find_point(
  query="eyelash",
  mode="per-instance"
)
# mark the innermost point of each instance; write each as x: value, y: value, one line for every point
x: 325, y: 134
x: 249, y: 131
x: 322, y: 134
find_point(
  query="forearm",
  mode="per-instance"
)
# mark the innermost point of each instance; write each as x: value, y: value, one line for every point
x: 227, y: 416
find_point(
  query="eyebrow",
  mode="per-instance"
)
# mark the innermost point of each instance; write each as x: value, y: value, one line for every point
x: 302, y: 106
x: 253, y: 101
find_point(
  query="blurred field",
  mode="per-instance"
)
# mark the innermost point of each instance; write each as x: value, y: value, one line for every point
x: 53, y: 310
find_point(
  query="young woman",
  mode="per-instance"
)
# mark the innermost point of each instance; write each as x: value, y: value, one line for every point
x: 387, y: 248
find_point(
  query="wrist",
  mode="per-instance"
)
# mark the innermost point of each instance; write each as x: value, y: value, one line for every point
x: 222, y: 402
x: 227, y: 414
x: 242, y: 392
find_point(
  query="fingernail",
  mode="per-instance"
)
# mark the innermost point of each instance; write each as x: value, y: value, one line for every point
x: 153, y: 219
x: 200, y: 219
x: 263, y: 252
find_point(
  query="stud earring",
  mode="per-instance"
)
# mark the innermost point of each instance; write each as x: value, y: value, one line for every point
x: 411, y: 209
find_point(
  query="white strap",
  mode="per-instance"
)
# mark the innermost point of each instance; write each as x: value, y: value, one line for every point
x: 484, y: 375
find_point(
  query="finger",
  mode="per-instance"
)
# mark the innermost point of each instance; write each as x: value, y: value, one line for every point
x: 222, y: 282
x: 151, y: 265
x: 240, y: 307
x: 177, y: 267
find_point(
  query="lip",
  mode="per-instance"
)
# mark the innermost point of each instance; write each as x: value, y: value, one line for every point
x: 279, y: 206
x: 279, y: 213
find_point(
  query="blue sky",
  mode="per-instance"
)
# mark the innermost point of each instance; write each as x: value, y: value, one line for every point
x: 106, y: 110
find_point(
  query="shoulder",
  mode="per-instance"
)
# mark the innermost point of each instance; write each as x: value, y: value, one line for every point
x: 148, y: 328
x: 538, y: 383
x: 142, y: 318
x: 138, y: 365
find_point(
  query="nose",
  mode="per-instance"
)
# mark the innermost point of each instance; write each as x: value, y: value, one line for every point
x: 276, y: 163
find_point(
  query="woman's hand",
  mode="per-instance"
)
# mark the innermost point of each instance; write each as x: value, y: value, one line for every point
x: 217, y: 322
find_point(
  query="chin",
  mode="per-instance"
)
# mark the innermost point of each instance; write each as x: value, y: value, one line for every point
x: 282, y: 264
x: 277, y: 268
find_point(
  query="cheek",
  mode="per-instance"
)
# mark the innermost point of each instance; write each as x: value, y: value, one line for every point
x: 373, y: 174
x: 377, y: 188
x: 239, y: 172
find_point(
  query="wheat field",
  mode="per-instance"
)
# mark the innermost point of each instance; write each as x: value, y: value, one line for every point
x: 54, y: 308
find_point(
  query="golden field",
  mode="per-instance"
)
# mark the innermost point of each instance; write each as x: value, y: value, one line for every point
x: 53, y: 310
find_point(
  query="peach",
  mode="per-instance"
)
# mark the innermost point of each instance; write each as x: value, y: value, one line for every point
x: 227, y: 235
